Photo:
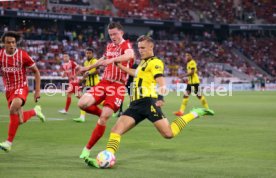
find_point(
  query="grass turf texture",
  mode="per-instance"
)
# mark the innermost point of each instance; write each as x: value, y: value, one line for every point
x: 239, y: 141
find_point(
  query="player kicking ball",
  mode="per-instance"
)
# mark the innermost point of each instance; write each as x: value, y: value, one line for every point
x: 13, y: 65
x: 146, y: 102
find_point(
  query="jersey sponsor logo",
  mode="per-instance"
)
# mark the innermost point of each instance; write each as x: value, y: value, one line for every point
x: 113, y: 53
x: 11, y: 69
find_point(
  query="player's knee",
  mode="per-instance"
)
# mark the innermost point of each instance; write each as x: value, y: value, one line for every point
x: 102, y: 120
x: 14, y: 110
x: 168, y: 135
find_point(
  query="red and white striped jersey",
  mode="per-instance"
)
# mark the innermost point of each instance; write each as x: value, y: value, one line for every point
x: 13, y: 68
x: 69, y: 69
x: 112, y: 72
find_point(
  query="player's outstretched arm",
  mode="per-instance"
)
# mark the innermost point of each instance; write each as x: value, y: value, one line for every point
x: 126, y: 69
x: 162, y: 90
x: 129, y: 54
x: 37, y: 82
x: 97, y: 64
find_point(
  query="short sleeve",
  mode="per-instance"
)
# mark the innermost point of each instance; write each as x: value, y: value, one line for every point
x: 157, y: 68
x: 27, y: 60
x: 126, y: 46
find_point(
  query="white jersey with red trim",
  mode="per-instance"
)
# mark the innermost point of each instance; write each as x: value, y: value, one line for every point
x: 13, y: 68
x: 112, y: 72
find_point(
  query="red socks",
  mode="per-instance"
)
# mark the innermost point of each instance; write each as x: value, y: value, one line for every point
x: 28, y: 115
x: 14, y: 123
x: 96, y: 135
x: 93, y: 109
x: 68, y: 103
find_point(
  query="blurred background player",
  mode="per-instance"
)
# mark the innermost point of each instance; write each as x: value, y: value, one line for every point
x: 111, y: 88
x: 146, y: 102
x: 13, y: 65
x: 193, y: 81
x: 91, y: 77
x: 69, y: 68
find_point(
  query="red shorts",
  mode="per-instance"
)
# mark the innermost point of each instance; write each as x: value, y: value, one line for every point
x: 112, y: 93
x: 73, y: 88
x: 21, y: 93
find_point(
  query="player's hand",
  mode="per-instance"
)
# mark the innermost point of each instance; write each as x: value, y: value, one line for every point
x: 100, y: 62
x: 83, y: 69
x: 159, y: 103
x: 86, y: 74
x: 36, y: 96
x: 106, y: 62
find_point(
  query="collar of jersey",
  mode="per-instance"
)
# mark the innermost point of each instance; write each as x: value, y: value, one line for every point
x: 11, y: 54
x: 149, y: 58
x: 119, y: 43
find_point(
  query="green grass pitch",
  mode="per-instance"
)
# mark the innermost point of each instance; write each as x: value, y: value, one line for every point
x: 239, y: 141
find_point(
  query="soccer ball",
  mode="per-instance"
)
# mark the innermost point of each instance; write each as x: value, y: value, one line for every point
x: 106, y: 159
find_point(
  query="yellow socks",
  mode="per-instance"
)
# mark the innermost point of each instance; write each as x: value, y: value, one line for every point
x: 179, y: 123
x: 183, y: 104
x: 82, y: 114
x: 204, y: 102
x: 113, y: 142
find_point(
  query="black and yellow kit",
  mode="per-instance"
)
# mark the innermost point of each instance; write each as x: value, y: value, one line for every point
x: 144, y: 91
x: 92, y: 79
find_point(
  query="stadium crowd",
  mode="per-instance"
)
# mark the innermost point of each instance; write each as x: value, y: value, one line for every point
x: 47, y: 49
x: 217, y: 11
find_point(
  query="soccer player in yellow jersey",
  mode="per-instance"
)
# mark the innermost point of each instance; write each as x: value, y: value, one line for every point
x: 193, y: 81
x: 91, y: 77
x: 146, y: 102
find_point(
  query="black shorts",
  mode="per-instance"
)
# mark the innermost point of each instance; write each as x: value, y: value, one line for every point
x: 189, y: 88
x: 144, y: 108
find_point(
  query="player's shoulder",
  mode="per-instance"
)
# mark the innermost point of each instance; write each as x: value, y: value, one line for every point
x: 192, y: 62
x: 156, y: 59
x: 126, y: 44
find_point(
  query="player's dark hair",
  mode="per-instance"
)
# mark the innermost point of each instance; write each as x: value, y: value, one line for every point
x: 113, y: 25
x: 145, y: 38
x: 14, y: 34
x: 90, y: 49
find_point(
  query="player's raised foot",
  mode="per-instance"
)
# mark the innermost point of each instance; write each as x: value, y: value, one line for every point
x: 178, y: 113
x: 62, y: 111
x: 6, y: 146
x: 39, y: 114
x: 203, y: 111
x: 91, y: 162
x: 85, y: 153
x: 79, y: 119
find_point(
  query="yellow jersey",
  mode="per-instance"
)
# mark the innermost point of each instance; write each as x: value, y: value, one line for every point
x: 92, y: 79
x: 192, y: 79
x: 144, y: 84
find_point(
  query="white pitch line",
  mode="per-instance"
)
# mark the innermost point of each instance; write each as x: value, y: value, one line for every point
x: 47, y: 119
